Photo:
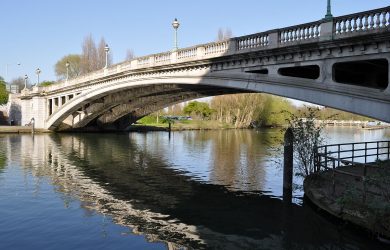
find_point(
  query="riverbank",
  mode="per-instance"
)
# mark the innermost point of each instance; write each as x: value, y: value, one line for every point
x: 181, y: 125
x: 20, y: 130
x: 365, y: 205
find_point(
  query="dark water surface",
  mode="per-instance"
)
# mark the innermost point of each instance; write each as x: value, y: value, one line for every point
x: 192, y: 190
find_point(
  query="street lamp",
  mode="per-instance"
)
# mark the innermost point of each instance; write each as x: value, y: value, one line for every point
x: 25, y: 81
x: 67, y: 70
x: 106, y: 49
x: 175, y: 25
x: 329, y: 15
x: 38, y: 71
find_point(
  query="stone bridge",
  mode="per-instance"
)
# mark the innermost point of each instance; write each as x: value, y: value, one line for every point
x: 341, y: 62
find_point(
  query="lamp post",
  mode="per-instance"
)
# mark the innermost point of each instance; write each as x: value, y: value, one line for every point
x: 67, y: 70
x: 107, y: 50
x: 329, y: 15
x: 175, y: 25
x: 38, y: 71
x: 25, y: 81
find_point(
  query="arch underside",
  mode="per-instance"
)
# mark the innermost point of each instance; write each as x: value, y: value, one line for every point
x: 117, y: 111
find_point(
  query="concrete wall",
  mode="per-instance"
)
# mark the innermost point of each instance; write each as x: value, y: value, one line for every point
x: 14, y: 109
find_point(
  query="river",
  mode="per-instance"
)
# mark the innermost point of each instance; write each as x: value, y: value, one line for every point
x: 188, y: 190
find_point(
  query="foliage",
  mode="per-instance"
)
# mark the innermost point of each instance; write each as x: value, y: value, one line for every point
x: 307, y: 136
x: 3, y: 93
x: 74, y: 66
x: 199, y: 109
x: 325, y: 113
x: 246, y: 110
x: 149, y: 119
x: 274, y: 111
x: 46, y: 83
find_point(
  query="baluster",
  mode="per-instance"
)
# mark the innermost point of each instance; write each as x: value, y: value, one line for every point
x: 338, y: 27
x: 344, y: 26
x: 388, y: 20
x: 378, y: 20
x: 311, y: 31
x: 372, y: 16
x: 317, y: 30
x: 301, y: 36
x: 262, y: 43
x: 383, y: 19
x: 295, y: 36
x: 361, y: 23
x: 366, y: 22
x: 307, y: 33
x: 355, y: 20
x: 349, y: 29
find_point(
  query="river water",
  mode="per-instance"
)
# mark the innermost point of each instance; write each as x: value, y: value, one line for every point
x: 188, y: 190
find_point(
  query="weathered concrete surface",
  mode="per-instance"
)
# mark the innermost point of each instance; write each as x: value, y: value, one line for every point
x: 349, y: 202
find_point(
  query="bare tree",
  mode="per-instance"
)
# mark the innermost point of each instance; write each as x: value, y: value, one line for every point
x: 224, y: 34
x: 101, y: 61
x: 94, y: 57
x: 129, y: 55
x: 89, y: 55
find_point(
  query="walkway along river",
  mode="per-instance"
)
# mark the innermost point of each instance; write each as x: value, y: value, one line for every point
x: 198, y: 189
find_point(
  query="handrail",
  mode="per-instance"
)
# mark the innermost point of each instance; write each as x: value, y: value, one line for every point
x: 337, y: 156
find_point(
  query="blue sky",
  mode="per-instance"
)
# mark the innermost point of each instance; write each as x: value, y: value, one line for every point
x: 37, y: 33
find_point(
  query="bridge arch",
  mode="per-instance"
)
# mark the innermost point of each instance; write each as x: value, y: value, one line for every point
x: 131, y: 99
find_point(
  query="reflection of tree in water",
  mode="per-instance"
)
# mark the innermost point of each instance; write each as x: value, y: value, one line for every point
x: 112, y: 175
x: 239, y: 156
x: 3, y: 156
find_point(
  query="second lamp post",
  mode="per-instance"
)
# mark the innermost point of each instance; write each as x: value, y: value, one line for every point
x: 38, y: 71
x: 175, y: 25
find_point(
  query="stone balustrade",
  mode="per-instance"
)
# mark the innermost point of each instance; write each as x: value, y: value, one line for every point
x: 340, y: 27
x: 252, y: 41
x: 299, y: 33
x: 362, y: 22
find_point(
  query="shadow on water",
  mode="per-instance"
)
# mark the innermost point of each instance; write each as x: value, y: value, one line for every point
x: 114, y: 175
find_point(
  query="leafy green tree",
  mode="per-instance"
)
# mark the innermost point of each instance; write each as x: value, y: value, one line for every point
x: 74, y: 66
x: 273, y: 112
x: 46, y: 83
x: 199, y: 109
x: 3, y: 93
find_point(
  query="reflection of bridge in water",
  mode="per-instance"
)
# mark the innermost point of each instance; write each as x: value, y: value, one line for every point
x: 115, y: 176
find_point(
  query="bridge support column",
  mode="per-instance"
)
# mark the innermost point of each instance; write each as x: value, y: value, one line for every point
x: 288, y: 165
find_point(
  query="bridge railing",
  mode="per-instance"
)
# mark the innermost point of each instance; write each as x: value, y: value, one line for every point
x: 362, y: 22
x: 359, y: 156
x: 308, y: 32
x: 340, y: 27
